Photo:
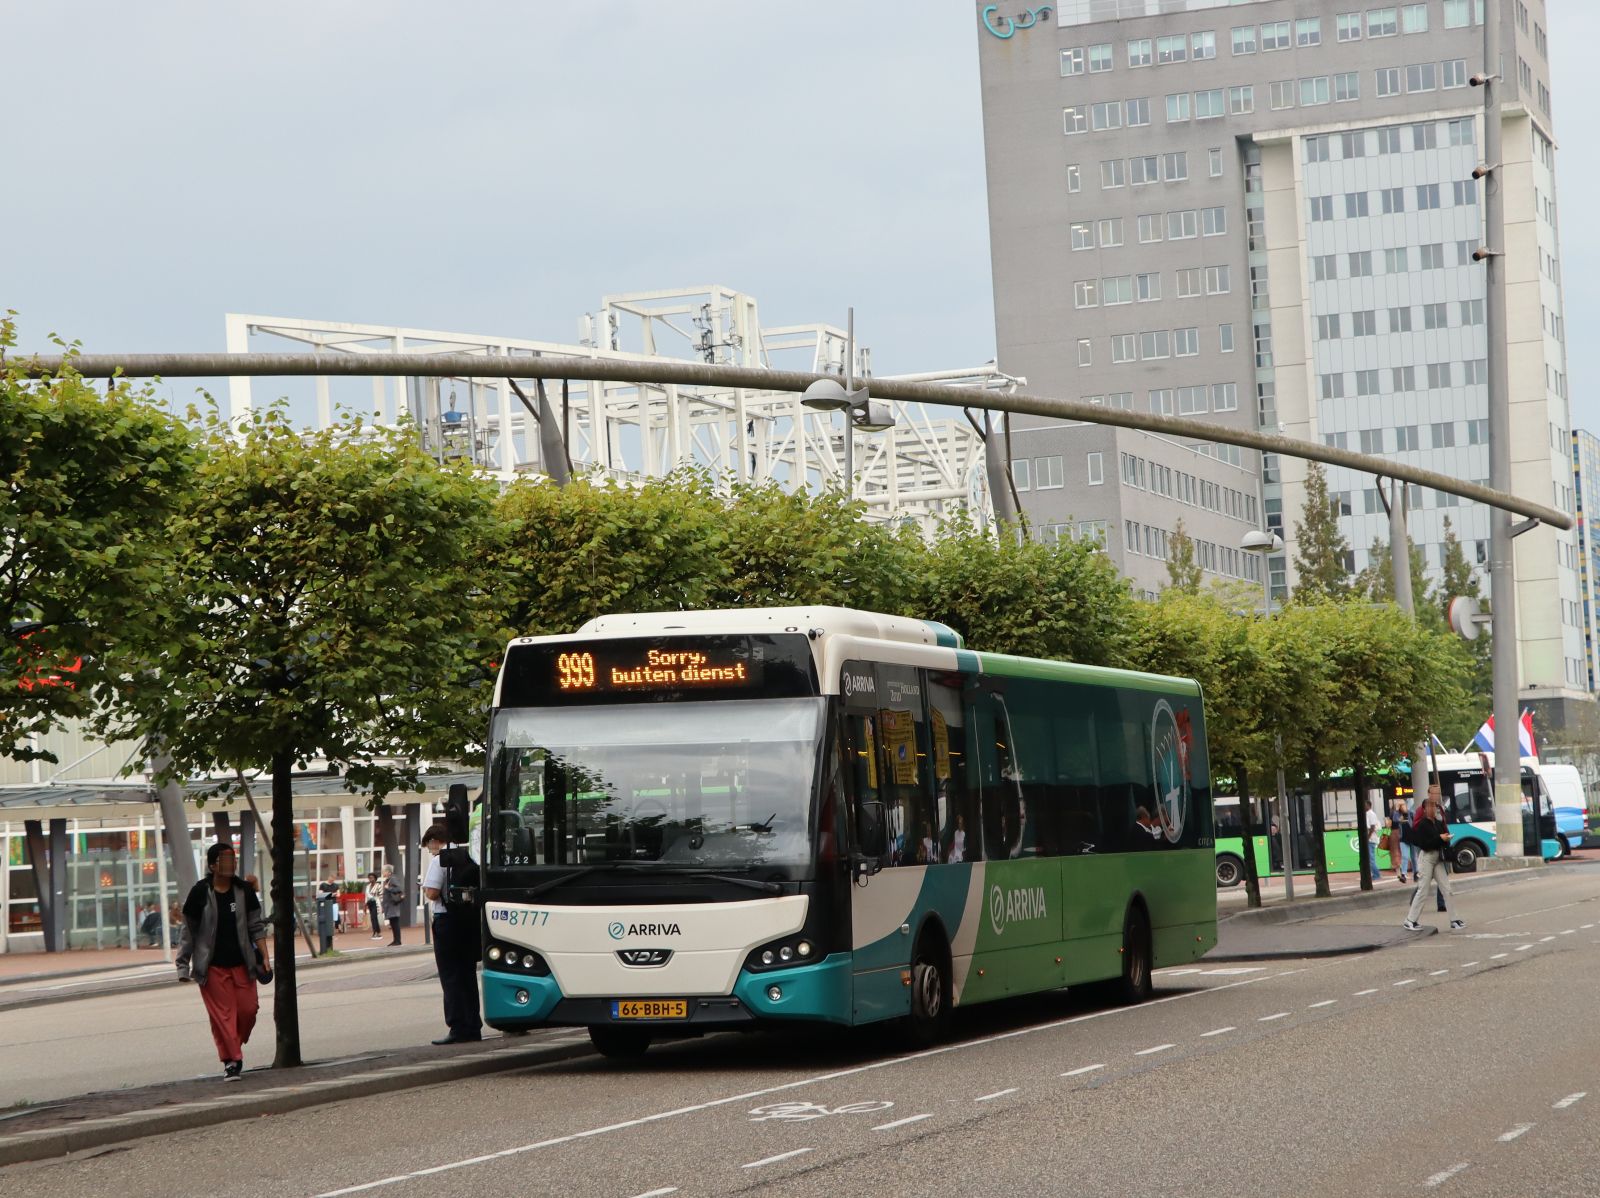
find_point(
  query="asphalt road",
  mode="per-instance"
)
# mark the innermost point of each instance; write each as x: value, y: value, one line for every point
x: 1461, y: 1063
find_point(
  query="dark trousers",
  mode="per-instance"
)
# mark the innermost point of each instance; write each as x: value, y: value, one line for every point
x: 394, y: 928
x: 455, y: 954
x: 376, y: 928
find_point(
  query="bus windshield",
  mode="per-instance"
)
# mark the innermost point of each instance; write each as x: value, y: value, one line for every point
x: 711, y: 785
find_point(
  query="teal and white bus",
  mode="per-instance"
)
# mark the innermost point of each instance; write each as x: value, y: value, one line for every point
x: 703, y: 821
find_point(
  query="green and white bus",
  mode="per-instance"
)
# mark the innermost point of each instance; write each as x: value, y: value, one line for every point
x: 703, y: 821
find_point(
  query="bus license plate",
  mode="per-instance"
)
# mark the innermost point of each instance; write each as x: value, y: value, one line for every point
x: 672, y: 1008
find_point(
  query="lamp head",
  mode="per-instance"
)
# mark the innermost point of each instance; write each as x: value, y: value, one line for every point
x: 825, y: 395
x: 1256, y: 541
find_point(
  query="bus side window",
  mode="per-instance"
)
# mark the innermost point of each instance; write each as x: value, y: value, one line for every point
x: 1079, y: 792
x: 905, y: 757
x: 1002, y: 813
x: 956, y: 803
x: 1123, y: 770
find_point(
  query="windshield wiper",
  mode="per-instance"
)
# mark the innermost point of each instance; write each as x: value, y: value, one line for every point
x: 692, y: 871
x: 552, y: 883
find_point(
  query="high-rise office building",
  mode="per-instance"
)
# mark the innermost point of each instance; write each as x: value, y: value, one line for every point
x: 1586, y: 501
x: 1263, y: 214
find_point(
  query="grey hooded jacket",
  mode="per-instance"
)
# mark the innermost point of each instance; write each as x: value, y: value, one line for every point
x: 194, y: 954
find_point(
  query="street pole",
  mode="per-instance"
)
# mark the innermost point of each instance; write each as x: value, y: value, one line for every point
x: 1284, y: 835
x: 850, y: 413
x: 1502, y: 578
x: 1400, y: 568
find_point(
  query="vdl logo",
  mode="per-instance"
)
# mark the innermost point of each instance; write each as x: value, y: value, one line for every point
x: 617, y: 931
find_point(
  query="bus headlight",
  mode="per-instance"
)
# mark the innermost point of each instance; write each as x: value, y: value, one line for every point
x: 791, y: 950
x: 803, y: 948
x: 494, y: 952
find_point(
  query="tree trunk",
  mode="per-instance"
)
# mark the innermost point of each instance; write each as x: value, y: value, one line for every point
x: 387, y: 840
x: 1247, y: 826
x: 1361, y: 828
x: 285, y: 1010
x: 1319, y: 844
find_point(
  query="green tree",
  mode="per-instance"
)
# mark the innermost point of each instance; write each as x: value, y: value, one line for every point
x: 90, y: 480
x: 1376, y: 581
x: 327, y: 607
x: 1183, y: 572
x: 1063, y: 601
x: 1321, y: 554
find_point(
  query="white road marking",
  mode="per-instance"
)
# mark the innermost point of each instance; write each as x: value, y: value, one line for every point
x: 1546, y: 939
x: 1497, y: 956
x: 1469, y: 965
x: 1587, y: 926
x: 1519, y: 1129
x: 1144, y: 1052
x: 1568, y: 931
x: 1270, y: 1018
x: 712, y: 1104
x: 661, y: 1193
x: 997, y: 1094
x: 771, y: 1160
x: 1364, y: 993
x: 1082, y: 1070
x: 903, y: 1122
x: 1438, y: 973
x: 1407, y: 982
x: 1234, y: 970
x: 1540, y: 910
x: 1522, y: 948
x: 1438, y: 1179
x: 1570, y: 1099
x: 1217, y: 1031
x: 1327, y: 1002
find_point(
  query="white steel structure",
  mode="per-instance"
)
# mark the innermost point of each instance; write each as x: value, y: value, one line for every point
x: 929, y: 465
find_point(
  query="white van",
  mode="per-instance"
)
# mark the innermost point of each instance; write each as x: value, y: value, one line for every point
x: 1570, y: 802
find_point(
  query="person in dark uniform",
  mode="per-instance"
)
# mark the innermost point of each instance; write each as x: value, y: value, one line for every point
x: 455, y: 947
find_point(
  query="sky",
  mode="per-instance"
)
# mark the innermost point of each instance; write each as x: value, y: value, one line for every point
x: 500, y: 169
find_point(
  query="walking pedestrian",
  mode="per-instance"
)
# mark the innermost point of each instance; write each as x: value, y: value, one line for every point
x: 1430, y: 836
x: 455, y: 946
x: 394, y: 902
x: 224, y: 952
x: 327, y: 912
x: 1400, y: 850
x: 1370, y: 819
x: 374, y: 905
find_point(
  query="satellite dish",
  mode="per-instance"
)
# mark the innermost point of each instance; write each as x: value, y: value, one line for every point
x: 1463, y: 615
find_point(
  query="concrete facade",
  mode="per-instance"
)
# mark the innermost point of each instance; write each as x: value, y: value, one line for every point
x: 1283, y: 191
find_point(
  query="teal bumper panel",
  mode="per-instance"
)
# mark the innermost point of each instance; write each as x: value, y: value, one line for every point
x: 820, y: 991
x: 500, y: 1005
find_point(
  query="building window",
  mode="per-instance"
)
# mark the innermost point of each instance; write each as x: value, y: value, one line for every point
x: 1364, y: 323
x: 1405, y: 438
x: 1020, y: 473
x: 1355, y: 203
x: 1074, y: 178
x: 1173, y: 48
x: 1110, y: 232
x: 1275, y: 35
x: 1346, y: 86
x: 1438, y: 375
x: 1150, y: 227
x: 1324, y: 267
x: 1464, y: 193
x: 1112, y: 173
x: 1213, y: 222
x: 1123, y: 348
x: 1215, y: 162
x: 1177, y: 108
x: 1185, y: 343
x: 1432, y: 254
x: 1420, y: 77
x: 1224, y: 338
x: 1139, y: 111
x: 1330, y: 386
x: 1361, y: 264
x: 1075, y: 119
x: 1388, y: 81
x: 1427, y: 197
x: 1203, y: 45
x: 1047, y: 473
x: 1094, y: 469
x: 1147, y: 287
x: 1225, y: 397
x: 1241, y: 100
x: 1139, y: 52
x: 1477, y: 432
x: 1107, y: 115
x: 1349, y: 26
x: 1086, y: 293
x: 1308, y: 31
x: 1218, y: 281
x: 1316, y: 149
x: 1244, y: 39
x: 1388, y: 139
x: 1454, y: 72
x: 1353, y: 145
x: 1399, y: 320
x: 1371, y: 440
x: 1381, y: 22
x: 1444, y: 434
x: 1082, y: 235
x: 1154, y: 345
x: 1414, y: 18
x: 1116, y: 289
x: 1403, y: 378
x: 1208, y: 104
x: 1085, y: 352
x: 1175, y: 166
x: 1144, y: 169
x: 1314, y: 91
x: 1462, y: 131
x: 1328, y: 326
x: 1425, y: 137
x: 1281, y: 93
x: 1191, y: 401
x: 1161, y: 402
x: 1321, y: 208
x: 1435, y: 316
x: 1472, y: 311
x: 1181, y: 225
x: 1456, y: 13
x: 1072, y: 61
x: 1188, y: 282
x: 1099, y: 58
x: 1392, y: 200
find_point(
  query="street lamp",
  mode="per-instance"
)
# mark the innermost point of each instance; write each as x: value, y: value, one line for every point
x: 861, y: 410
x: 1267, y: 543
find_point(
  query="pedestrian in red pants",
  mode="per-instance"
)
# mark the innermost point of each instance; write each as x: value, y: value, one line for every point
x: 224, y: 951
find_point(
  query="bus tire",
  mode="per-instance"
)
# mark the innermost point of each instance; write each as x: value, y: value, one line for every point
x: 1566, y: 849
x: 1464, y: 859
x: 619, y: 1043
x: 929, y: 1021
x: 1134, y: 986
x: 1230, y: 870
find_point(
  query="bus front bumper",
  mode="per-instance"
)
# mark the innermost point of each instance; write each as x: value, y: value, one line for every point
x: 821, y: 991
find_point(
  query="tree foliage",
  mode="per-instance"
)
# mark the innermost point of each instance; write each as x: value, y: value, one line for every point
x: 90, y: 480
x: 1183, y: 571
x: 1321, y: 554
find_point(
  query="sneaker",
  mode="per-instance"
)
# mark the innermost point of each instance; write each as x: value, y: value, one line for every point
x: 1411, y: 925
x: 232, y: 1070
x: 1457, y: 924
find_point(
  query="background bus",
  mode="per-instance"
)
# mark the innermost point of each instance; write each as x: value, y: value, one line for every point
x: 700, y: 821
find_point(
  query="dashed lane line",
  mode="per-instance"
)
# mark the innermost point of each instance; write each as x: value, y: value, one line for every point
x: 903, y: 1122
x: 1519, y: 1129
x: 1270, y: 1018
x: 1144, y: 1052
x: 1364, y: 993
x: 1327, y: 1002
x: 773, y: 1160
x: 1546, y: 939
x: 1081, y: 1070
x: 1407, y: 982
x: 1217, y: 1031
x: 1522, y: 948
x: 1438, y: 973
x: 661, y: 1193
x: 1497, y: 956
x: 1469, y: 965
x: 1570, y: 1099
x: 997, y: 1094
x: 1444, y: 1175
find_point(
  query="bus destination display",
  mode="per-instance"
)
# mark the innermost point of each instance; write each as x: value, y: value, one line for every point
x: 585, y: 670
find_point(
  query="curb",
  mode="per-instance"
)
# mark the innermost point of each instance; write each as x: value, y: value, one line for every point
x: 230, y: 1106
x: 166, y: 978
x: 1302, y: 910
x: 1307, y: 954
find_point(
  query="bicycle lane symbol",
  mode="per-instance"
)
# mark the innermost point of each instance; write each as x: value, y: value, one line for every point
x: 801, y: 1112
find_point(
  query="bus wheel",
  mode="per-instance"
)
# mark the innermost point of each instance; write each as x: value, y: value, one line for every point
x: 1566, y: 849
x: 619, y: 1043
x: 1465, y: 858
x: 929, y: 1022
x: 1134, y: 986
x: 1230, y: 870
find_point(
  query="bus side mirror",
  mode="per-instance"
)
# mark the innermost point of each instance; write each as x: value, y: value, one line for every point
x: 872, y: 840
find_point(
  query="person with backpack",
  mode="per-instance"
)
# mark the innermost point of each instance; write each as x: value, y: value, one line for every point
x: 225, y: 953
x: 1430, y: 837
x: 456, y: 944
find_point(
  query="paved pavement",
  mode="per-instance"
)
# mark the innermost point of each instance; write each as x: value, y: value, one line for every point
x: 982, y: 1115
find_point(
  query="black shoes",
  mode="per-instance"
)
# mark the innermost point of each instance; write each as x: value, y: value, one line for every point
x: 232, y: 1070
x: 452, y: 1038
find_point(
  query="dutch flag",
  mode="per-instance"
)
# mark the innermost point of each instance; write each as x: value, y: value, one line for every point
x: 1484, y: 741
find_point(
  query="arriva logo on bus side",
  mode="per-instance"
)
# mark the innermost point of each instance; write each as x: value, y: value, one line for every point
x: 1009, y: 906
